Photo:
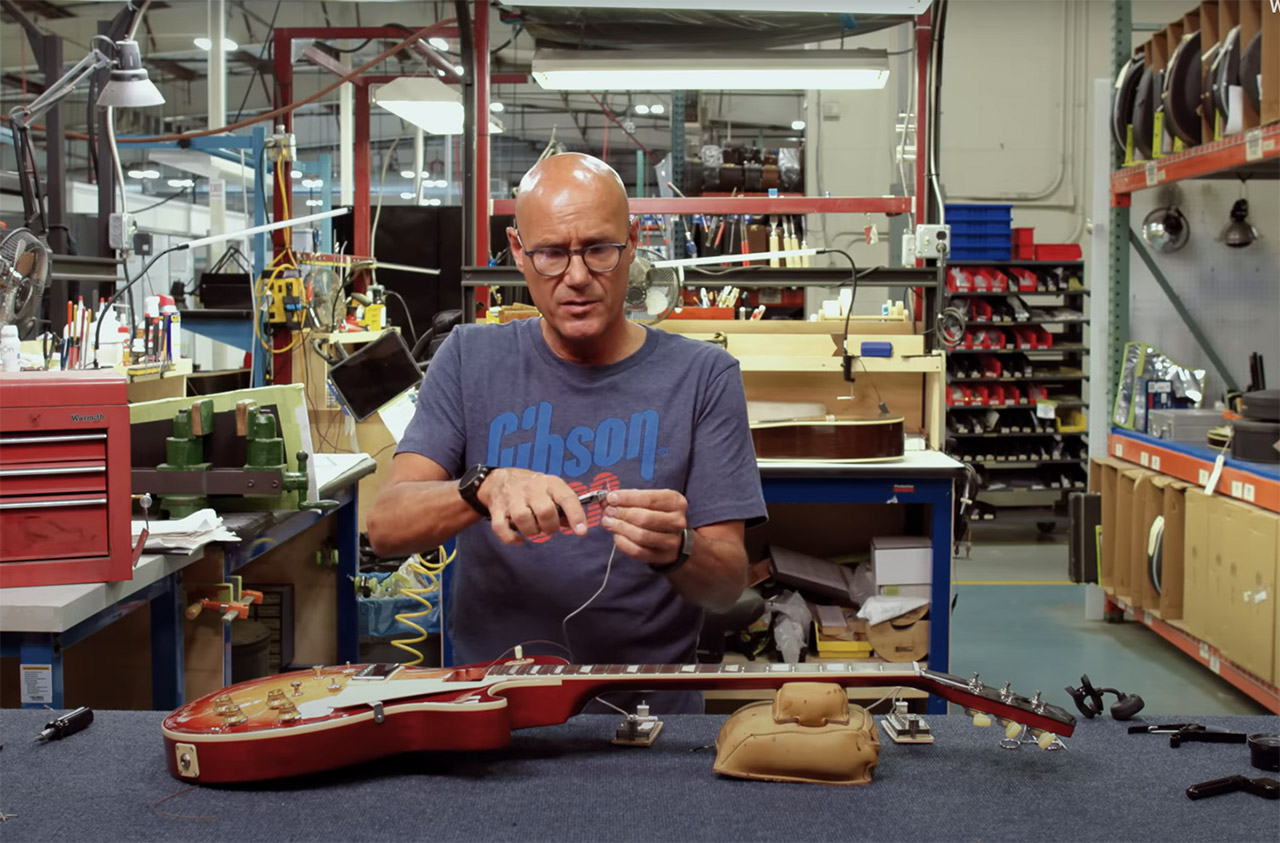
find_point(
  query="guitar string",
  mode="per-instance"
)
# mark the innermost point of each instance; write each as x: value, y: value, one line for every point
x: 564, y: 624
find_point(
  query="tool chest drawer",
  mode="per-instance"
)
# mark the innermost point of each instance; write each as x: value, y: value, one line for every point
x: 50, y: 528
x: 52, y: 478
x: 52, y: 447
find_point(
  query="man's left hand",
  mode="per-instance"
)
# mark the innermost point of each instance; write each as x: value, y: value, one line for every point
x: 646, y: 523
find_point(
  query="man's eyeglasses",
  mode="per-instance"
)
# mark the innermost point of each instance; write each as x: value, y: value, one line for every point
x: 598, y: 257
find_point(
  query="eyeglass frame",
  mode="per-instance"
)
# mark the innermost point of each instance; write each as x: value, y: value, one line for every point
x: 569, y: 253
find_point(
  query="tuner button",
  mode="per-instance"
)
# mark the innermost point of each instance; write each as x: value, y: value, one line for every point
x: 1044, y: 739
x: 981, y: 720
x: 334, y: 684
x: 1011, y: 729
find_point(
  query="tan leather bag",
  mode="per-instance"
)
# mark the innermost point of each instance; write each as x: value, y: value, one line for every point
x: 809, y: 733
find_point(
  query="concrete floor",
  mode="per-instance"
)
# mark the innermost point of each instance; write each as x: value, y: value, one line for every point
x: 1017, y: 619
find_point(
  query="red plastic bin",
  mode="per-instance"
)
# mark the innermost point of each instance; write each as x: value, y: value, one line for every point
x: 1058, y: 252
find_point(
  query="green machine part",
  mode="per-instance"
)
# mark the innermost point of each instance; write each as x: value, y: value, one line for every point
x: 264, y: 451
x: 184, y: 451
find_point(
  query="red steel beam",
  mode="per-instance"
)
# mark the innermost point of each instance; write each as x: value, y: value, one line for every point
x: 480, y: 38
x: 360, y: 234
x: 924, y: 35
x: 753, y: 205
x: 1239, y: 150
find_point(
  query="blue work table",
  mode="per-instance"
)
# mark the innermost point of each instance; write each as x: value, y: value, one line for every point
x: 920, y: 477
x: 37, y: 624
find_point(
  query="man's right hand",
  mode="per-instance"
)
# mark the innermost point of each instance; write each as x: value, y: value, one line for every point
x: 525, y: 503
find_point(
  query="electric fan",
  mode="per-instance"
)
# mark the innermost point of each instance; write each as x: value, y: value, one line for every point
x: 651, y: 293
x: 24, y: 272
x: 327, y: 306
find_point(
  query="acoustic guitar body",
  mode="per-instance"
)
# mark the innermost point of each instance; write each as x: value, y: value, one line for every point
x: 829, y: 439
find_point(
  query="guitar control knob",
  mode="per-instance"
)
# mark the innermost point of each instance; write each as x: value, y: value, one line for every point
x: 235, y: 718
x: 1044, y: 739
x: 317, y: 671
x: 222, y: 704
x: 297, y: 687
x: 276, y: 699
x: 334, y: 684
x: 290, y: 716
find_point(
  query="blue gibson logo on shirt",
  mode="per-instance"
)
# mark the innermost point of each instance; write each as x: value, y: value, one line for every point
x: 573, y: 454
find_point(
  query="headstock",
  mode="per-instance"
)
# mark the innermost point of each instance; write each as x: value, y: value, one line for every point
x: 1012, y: 710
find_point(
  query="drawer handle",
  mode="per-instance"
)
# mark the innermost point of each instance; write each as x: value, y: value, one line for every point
x: 41, y: 440
x: 53, y: 504
x: 32, y: 472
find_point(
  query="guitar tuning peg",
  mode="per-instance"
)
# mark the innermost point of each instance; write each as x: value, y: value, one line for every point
x: 1044, y: 739
x: 1011, y: 728
x: 981, y: 720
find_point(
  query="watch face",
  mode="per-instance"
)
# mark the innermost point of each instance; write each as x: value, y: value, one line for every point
x: 474, y: 476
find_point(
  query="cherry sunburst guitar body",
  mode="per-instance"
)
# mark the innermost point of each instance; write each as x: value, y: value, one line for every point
x: 330, y: 717
x: 835, y: 439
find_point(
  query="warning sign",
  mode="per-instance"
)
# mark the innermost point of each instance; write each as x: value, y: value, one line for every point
x: 37, y: 683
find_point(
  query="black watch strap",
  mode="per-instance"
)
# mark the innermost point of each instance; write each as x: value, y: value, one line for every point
x: 469, y: 487
x: 686, y: 550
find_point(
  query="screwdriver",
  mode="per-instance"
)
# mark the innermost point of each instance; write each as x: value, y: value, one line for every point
x: 67, y: 724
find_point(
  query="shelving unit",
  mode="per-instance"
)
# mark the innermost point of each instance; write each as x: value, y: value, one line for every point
x: 1016, y: 442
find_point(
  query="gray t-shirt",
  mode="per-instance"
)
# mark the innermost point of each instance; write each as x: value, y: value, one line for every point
x: 670, y: 416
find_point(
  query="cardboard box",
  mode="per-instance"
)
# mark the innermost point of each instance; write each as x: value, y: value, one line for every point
x: 1246, y: 620
x: 1122, y: 522
x: 1199, y: 579
x: 902, y: 639
x: 902, y: 560
x: 1174, y: 510
x: 839, y: 632
x: 1104, y: 475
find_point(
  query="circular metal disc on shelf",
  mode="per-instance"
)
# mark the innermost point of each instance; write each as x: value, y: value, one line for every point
x: 1250, y: 67
x: 1208, y: 61
x: 1126, y: 89
x: 1182, y: 90
x: 1227, y: 73
x: 1144, y: 112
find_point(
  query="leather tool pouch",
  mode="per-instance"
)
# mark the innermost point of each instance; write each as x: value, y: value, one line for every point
x: 809, y: 733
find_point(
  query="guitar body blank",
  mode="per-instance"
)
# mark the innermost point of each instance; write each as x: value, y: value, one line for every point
x: 829, y: 439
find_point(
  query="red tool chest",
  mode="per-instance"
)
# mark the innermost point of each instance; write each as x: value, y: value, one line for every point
x: 64, y: 478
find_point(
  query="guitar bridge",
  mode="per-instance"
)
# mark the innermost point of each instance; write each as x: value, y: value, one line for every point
x: 903, y: 727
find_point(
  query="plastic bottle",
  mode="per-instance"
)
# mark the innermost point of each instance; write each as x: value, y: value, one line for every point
x: 10, y: 349
x: 108, y: 352
x: 169, y: 315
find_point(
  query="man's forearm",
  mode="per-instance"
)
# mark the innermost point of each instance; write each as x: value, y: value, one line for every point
x: 414, y: 516
x: 715, y: 575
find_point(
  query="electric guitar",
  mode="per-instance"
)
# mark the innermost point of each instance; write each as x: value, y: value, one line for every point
x: 329, y: 717
x: 829, y: 439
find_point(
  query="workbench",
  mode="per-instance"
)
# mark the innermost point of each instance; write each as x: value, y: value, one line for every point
x: 38, y: 624
x: 568, y: 782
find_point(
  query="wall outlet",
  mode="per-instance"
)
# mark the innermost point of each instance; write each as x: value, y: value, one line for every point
x: 120, y: 230
x: 933, y: 241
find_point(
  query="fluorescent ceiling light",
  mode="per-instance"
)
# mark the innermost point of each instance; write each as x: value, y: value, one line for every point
x: 459, y: 69
x: 206, y: 44
x: 150, y: 174
x: 863, y: 7
x: 657, y: 108
x: 406, y: 195
x: 427, y: 103
x: 135, y: 174
x: 433, y: 201
x: 767, y: 70
x: 496, y: 107
x: 641, y: 108
x: 438, y: 43
x: 181, y: 183
x: 798, y: 125
x: 314, y: 203
x: 312, y: 183
x: 406, y: 174
x: 295, y: 174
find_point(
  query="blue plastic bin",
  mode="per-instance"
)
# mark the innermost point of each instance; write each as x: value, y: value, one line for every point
x: 978, y: 213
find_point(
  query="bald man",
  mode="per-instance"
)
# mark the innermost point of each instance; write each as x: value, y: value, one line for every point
x: 515, y: 421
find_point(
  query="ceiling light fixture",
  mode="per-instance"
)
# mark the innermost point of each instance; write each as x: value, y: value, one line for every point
x: 640, y: 108
x: 459, y: 69
x: 151, y: 174
x: 406, y: 195
x: 798, y: 125
x: 438, y: 43
x: 851, y: 7
x: 496, y: 107
x: 427, y: 103
x: 657, y: 108
x: 206, y: 44
x: 406, y: 174
x: 314, y: 203
x: 767, y: 70
x: 135, y: 174
x: 295, y: 174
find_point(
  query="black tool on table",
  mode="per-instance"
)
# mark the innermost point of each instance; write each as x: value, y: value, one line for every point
x: 1265, y: 787
x: 1089, y: 700
x: 1180, y: 733
x: 67, y: 724
x: 1264, y: 751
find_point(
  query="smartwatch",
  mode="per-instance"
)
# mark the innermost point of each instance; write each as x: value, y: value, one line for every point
x: 682, y: 556
x: 469, y: 487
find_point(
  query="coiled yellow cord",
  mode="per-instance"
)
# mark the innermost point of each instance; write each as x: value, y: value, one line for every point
x: 432, y: 571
